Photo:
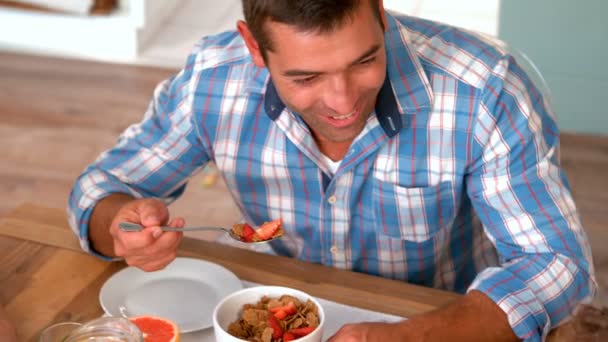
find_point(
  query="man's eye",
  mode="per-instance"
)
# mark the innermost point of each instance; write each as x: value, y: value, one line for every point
x: 368, y: 61
x: 304, y: 81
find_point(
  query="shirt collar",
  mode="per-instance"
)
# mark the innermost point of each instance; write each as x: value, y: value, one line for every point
x: 406, y: 88
x: 407, y: 76
x: 272, y: 102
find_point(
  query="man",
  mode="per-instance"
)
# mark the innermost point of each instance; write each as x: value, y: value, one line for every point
x: 378, y: 139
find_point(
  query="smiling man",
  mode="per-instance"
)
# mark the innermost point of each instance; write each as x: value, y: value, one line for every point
x: 329, y: 75
x: 387, y: 144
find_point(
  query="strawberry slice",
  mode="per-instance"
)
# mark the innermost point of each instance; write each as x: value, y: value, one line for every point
x: 280, y: 312
x: 276, y: 327
x: 267, y: 230
x: 290, y: 308
x: 288, y: 337
x: 280, y: 315
x: 299, y: 332
x: 247, y: 234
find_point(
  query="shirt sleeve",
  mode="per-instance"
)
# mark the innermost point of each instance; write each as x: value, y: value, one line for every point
x: 522, y: 197
x: 152, y: 159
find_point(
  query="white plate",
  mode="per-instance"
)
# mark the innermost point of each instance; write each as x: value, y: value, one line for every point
x: 186, y: 292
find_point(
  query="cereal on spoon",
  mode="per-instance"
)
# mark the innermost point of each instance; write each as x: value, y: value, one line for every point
x: 267, y: 231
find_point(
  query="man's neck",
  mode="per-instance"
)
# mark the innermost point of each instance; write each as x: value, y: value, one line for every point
x: 333, y: 150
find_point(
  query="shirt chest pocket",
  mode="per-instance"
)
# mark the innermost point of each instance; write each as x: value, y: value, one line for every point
x: 413, y: 214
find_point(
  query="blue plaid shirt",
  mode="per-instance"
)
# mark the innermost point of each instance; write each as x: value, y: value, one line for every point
x: 454, y: 182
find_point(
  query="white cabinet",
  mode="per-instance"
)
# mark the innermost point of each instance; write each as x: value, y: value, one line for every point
x: 115, y: 37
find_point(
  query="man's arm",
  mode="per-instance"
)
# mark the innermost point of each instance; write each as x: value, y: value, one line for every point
x: 152, y: 159
x: 521, y: 195
x: 473, y: 317
x: 99, y: 225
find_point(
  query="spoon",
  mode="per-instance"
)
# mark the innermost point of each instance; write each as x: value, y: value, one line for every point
x: 134, y: 227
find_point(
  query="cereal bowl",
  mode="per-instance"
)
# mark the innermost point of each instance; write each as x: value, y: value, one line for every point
x: 230, y: 310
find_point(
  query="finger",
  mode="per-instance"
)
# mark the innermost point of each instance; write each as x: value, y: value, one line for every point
x: 176, y: 244
x: 134, y: 241
x: 158, y: 263
x: 167, y: 241
x: 158, y: 241
x: 150, y: 243
x: 151, y: 258
x: 119, y: 248
x: 177, y: 222
x: 152, y: 212
x: 341, y: 335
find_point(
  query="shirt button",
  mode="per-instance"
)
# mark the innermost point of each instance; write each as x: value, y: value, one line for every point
x: 333, y: 249
x: 332, y: 199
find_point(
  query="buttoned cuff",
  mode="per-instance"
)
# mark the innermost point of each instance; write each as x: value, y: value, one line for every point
x: 525, y: 312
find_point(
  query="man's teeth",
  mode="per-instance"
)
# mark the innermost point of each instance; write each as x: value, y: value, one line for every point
x: 342, y: 117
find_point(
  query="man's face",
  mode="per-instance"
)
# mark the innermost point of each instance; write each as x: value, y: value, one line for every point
x: 330, y: 79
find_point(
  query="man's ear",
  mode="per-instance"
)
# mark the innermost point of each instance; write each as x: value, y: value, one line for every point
x: 383, y: 15
x: 252, y: 44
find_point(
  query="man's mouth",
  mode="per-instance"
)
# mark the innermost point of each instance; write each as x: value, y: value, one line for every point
x: 343, y: 121
x: 344, y: 117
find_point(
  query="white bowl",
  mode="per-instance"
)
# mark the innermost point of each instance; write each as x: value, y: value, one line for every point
x: 229, y: 310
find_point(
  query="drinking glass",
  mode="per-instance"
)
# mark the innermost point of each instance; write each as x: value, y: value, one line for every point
x: 107, y: 329
x: 104, y: 329
x: 58, y: 332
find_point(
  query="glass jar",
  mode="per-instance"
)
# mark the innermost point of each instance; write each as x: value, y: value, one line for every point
x: 106, y: 329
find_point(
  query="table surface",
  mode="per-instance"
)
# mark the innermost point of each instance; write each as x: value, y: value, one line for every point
x: 46, y: 277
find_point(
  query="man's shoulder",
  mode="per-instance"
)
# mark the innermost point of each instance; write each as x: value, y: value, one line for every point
x: 218, y: 73
x: 464, y: 54
x: 221, y: 49
x: 222, y: 58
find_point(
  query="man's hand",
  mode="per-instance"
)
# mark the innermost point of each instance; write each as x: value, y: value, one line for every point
x: 150, y: 249
x: 473, y: 317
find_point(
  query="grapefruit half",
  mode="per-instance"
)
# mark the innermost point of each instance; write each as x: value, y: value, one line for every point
x: 156, y: 329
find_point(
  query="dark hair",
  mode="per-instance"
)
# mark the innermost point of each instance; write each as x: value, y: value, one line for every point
x: 306, y: 15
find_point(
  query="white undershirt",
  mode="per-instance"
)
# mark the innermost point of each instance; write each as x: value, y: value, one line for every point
x: 333, y: 165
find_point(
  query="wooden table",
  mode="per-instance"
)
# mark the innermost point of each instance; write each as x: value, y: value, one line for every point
x: 46, y: 278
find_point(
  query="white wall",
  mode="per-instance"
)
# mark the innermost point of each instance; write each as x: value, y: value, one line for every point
x: 196, y: 18
x: 478, y: 15
x: 161, y: 32
x: 115, y: 37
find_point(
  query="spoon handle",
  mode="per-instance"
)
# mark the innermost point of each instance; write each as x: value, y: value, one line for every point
x: 190, y: 229
x: 130, y: 227
x: 133, y: 227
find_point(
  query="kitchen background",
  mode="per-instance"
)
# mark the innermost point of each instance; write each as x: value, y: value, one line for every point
x: 565, y: 39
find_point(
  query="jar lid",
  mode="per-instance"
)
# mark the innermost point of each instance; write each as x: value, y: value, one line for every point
x: 107, y: 329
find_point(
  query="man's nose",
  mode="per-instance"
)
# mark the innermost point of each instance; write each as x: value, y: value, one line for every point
x: 340, y: 95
